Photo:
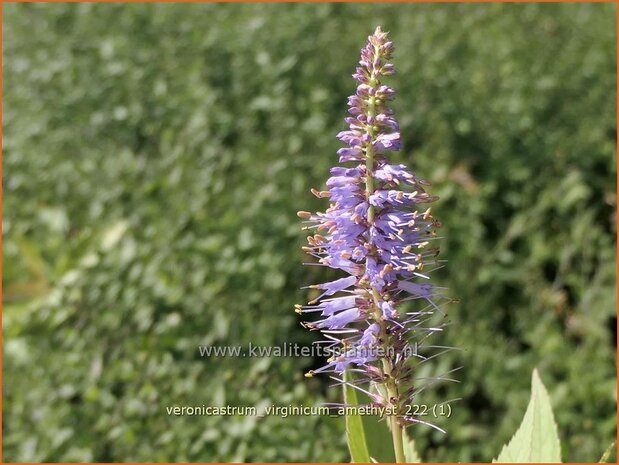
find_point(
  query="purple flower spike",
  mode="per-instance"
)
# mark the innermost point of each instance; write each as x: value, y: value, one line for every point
x: 377, y: 231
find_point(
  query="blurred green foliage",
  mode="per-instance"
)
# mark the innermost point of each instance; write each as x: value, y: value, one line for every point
x: 155, y: 156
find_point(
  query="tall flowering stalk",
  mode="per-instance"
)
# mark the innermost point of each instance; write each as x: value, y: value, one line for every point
x: 377, y: 232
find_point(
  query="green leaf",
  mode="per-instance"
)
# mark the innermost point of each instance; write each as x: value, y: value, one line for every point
x: 537, y: 439
x: 376, y: 433
x: 378, y: 438
x: 409, y: 449
x: 355, y: 431
x: 607, y: 453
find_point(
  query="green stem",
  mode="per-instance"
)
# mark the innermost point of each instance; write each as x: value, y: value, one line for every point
x: 392, y: 388
x: 396, y: 429
x: 396, y: 435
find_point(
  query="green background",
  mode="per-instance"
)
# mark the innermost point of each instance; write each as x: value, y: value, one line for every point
x: 155, y: 156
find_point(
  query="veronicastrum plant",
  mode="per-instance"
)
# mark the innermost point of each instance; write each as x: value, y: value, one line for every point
x: 381, y: 233
x: 377, y: 317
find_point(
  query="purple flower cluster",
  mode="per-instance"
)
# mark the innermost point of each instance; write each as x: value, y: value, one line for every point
x: 375, y: 231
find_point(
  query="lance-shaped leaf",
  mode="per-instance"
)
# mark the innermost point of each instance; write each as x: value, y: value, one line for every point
x: 536, y: 440
x: 409, y: 449
x: 355, y: 432
x: 609, y: 450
